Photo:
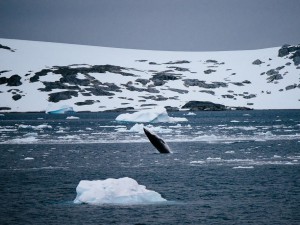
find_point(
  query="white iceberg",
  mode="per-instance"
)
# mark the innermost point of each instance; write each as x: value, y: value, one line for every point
x: 155, y: 115
x: 115, y: 191
x: 60, y: 110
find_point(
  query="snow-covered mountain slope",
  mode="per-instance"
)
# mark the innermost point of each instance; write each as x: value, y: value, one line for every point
x: 37, y: 76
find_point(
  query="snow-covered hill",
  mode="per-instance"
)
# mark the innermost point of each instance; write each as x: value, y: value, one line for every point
x: 38, y: 76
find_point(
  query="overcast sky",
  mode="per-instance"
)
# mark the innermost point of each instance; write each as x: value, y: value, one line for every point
x: 184, y: 25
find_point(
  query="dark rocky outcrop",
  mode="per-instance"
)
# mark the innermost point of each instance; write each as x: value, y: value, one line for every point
x: 142, y: 81
x: 228, y: 96
x: 171, y: 109
x: 209, y: 71
x: 257, y: 62
x: 120, y: 109
x: 178, y: 62
x: 69, y: 73
x: 99, y: 91
x: 86, y: 102
x: 49, y: 86
x: 249, y: 96
x: 203, y: 105
x: 16, y: 97
x: 5, y: 108
x: 64, y: 95
x: 208, y: 92
x: 6, y: 48
x: 14, y: 80
x: 155, y: 98
x: 160, y: 78
x: 180, y: 91
x: 203, y: 84
x: 293, y: 51
x: 274, y: 77
x: 290, y: 87
x: 179, y: 68
x: 4, y: 71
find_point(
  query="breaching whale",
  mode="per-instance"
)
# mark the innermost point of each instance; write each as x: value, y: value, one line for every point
x: 158, y: 143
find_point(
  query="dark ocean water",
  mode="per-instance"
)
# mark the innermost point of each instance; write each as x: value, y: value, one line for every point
x: 226, y: 168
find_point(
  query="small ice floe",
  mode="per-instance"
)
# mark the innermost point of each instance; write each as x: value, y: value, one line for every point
x: 38, y: 127
x: 197, y: 162
x: 243, y: 167
x: 234, y: 121
x: 230, y: 152
x: 213, y: 159
x: 155, y: 115
x: 28, y: 158
x: 123, y: 191
x: 276, y: 156
x: 72, y: 118
x: 191, y: 114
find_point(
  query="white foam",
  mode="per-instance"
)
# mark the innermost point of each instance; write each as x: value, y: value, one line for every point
x: 28, y: 158
x: 115, y: 191
x: 72, y: 118
x: 155, y: 115
x: 230, y: 152
x: 243, y: 167
x: 38, y: 127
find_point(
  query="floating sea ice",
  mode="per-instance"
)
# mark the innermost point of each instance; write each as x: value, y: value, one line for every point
x: 191, y: 114
x: 243, y: 167
x: 155, y: 115
x: 213, y: 159
x: 197, y: 162
x: 115, y: 191
x: 230, y: 152
x: 72, y: 118
x: 28, y: 158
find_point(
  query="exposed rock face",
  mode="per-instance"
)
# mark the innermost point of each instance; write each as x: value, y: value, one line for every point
x: 14, y: 80
x: 69, y: 72
x: 142, y: 81
x: 292, y: 51
x: 179, y: 68
x: 98, y: 91
x: 86, y: 102
x: 203, y: 105
x: 274, y: 77
x: 209, y: 71
x: 121, y: 109
x: 5, y: 108
x: 290, y: 87
x: 178, y: 62
x: 160, y: 78
x: 16, y: 97
x: 6, y: 48
x: 203, y: 84
x: 64, y: 95
x: 257, y: 62
x: 180, y: 91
